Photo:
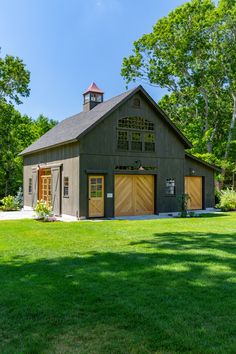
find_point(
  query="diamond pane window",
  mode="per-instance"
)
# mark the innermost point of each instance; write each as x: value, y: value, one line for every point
x: 138, y: 123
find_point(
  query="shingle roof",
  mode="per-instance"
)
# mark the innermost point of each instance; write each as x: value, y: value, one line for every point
x: 72, y: 128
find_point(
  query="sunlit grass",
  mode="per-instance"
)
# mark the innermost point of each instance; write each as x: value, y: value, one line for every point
x: 155, y: 286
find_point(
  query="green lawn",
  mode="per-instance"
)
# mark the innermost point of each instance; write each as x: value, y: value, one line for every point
x: 156, y: 286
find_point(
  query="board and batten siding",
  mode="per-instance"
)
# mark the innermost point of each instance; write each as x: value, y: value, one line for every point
x: 98, y: 152
x: 68, y: 157
x: 208, y: 180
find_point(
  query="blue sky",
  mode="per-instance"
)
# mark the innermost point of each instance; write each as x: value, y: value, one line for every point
x: 67, y: 44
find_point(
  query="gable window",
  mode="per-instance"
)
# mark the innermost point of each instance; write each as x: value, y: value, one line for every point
x: 138, y: 123
x: 122, y: 140
x: 30, y: 186
x: 135, y: 134
x: 66, y: 187
x: 136, y: 102
x: 170, y: 186
x: 136, y: 142
x: 149, y: 142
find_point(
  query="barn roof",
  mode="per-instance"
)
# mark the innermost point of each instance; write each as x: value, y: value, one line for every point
x: 72, y: 128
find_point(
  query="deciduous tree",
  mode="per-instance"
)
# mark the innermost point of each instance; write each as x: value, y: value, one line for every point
x: 192, y: 53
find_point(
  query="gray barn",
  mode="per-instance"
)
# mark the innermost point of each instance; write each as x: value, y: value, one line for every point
x: 119, y: 157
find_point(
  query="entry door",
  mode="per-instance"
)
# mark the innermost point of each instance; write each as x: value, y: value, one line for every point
x: 193, y: 187
x: 45, y: 186
x: 96, y: 196
x: 134, y: 195
x: 47, y: 189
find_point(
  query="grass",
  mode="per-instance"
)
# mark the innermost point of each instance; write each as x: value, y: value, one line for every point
x: 156, y: 286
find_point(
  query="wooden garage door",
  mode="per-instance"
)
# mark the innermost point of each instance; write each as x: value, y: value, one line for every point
x: 193, y: 187
x: 134, y: 195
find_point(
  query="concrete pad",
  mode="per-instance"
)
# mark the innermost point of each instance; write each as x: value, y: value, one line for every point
x: 17, y: 215
x: 165, y: 215
x: 30, y: 214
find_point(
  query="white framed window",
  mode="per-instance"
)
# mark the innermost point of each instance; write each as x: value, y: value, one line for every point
x: 170, y: 186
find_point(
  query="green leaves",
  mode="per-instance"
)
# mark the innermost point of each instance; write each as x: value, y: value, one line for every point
x: 14, y: 79
x: 16, y: 131
x: 192, y: 53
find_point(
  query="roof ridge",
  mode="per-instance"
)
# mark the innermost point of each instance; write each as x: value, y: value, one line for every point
x: 100, y: 104
x: 72, y: 130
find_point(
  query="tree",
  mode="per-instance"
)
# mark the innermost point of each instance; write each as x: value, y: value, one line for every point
x: 191, y: 52
x: 225, y: 42
x: 16, y: 131
x: 14, y: 79
x: 15, y: 135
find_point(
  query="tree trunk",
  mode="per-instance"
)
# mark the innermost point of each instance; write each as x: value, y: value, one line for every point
x: 230, y: 133
x: 206, y: 126
x: 231, y: 128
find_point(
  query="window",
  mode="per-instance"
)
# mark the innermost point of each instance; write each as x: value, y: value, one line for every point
x: 87, y: 98
x: 138, y: 123
x: 149, y: 142
x: 66, y: 187
x: 170, y: 186
x: 136, y: 102
x: 135, y: 134
x: 122, y: 141
x: 96, y: 190
x: 30, y: 187
x: 136, y: 142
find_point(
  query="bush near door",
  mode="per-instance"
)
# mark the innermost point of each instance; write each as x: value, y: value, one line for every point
x: 227, y: 200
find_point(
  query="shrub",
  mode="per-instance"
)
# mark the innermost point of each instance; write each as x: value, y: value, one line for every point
x: 183, y: 205
x: 227, y: 200
x: 43, y: 210
x: 19, y: 198
x: 9, y: 203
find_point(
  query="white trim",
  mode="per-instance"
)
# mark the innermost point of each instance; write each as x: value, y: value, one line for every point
x: 26, y: 207
x: 66, y: 217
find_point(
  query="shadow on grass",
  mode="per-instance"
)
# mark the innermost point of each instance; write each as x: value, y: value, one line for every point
x: 170, y: 300
x: 211, y: 215
x: 191, y: 240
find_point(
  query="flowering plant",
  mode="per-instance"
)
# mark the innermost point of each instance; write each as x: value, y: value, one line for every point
x: 43, y: 210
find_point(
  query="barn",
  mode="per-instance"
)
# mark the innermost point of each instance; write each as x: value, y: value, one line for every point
x: 118, y: 157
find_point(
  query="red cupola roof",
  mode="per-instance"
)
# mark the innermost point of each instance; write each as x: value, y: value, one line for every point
x: 93, y: 88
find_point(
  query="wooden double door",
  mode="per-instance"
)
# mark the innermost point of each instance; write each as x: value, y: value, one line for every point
x: 194, y: 187
x: 134, y: 195
x: 49, y: 188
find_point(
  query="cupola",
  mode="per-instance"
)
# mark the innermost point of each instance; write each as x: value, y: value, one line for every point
x: 92, y: 97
